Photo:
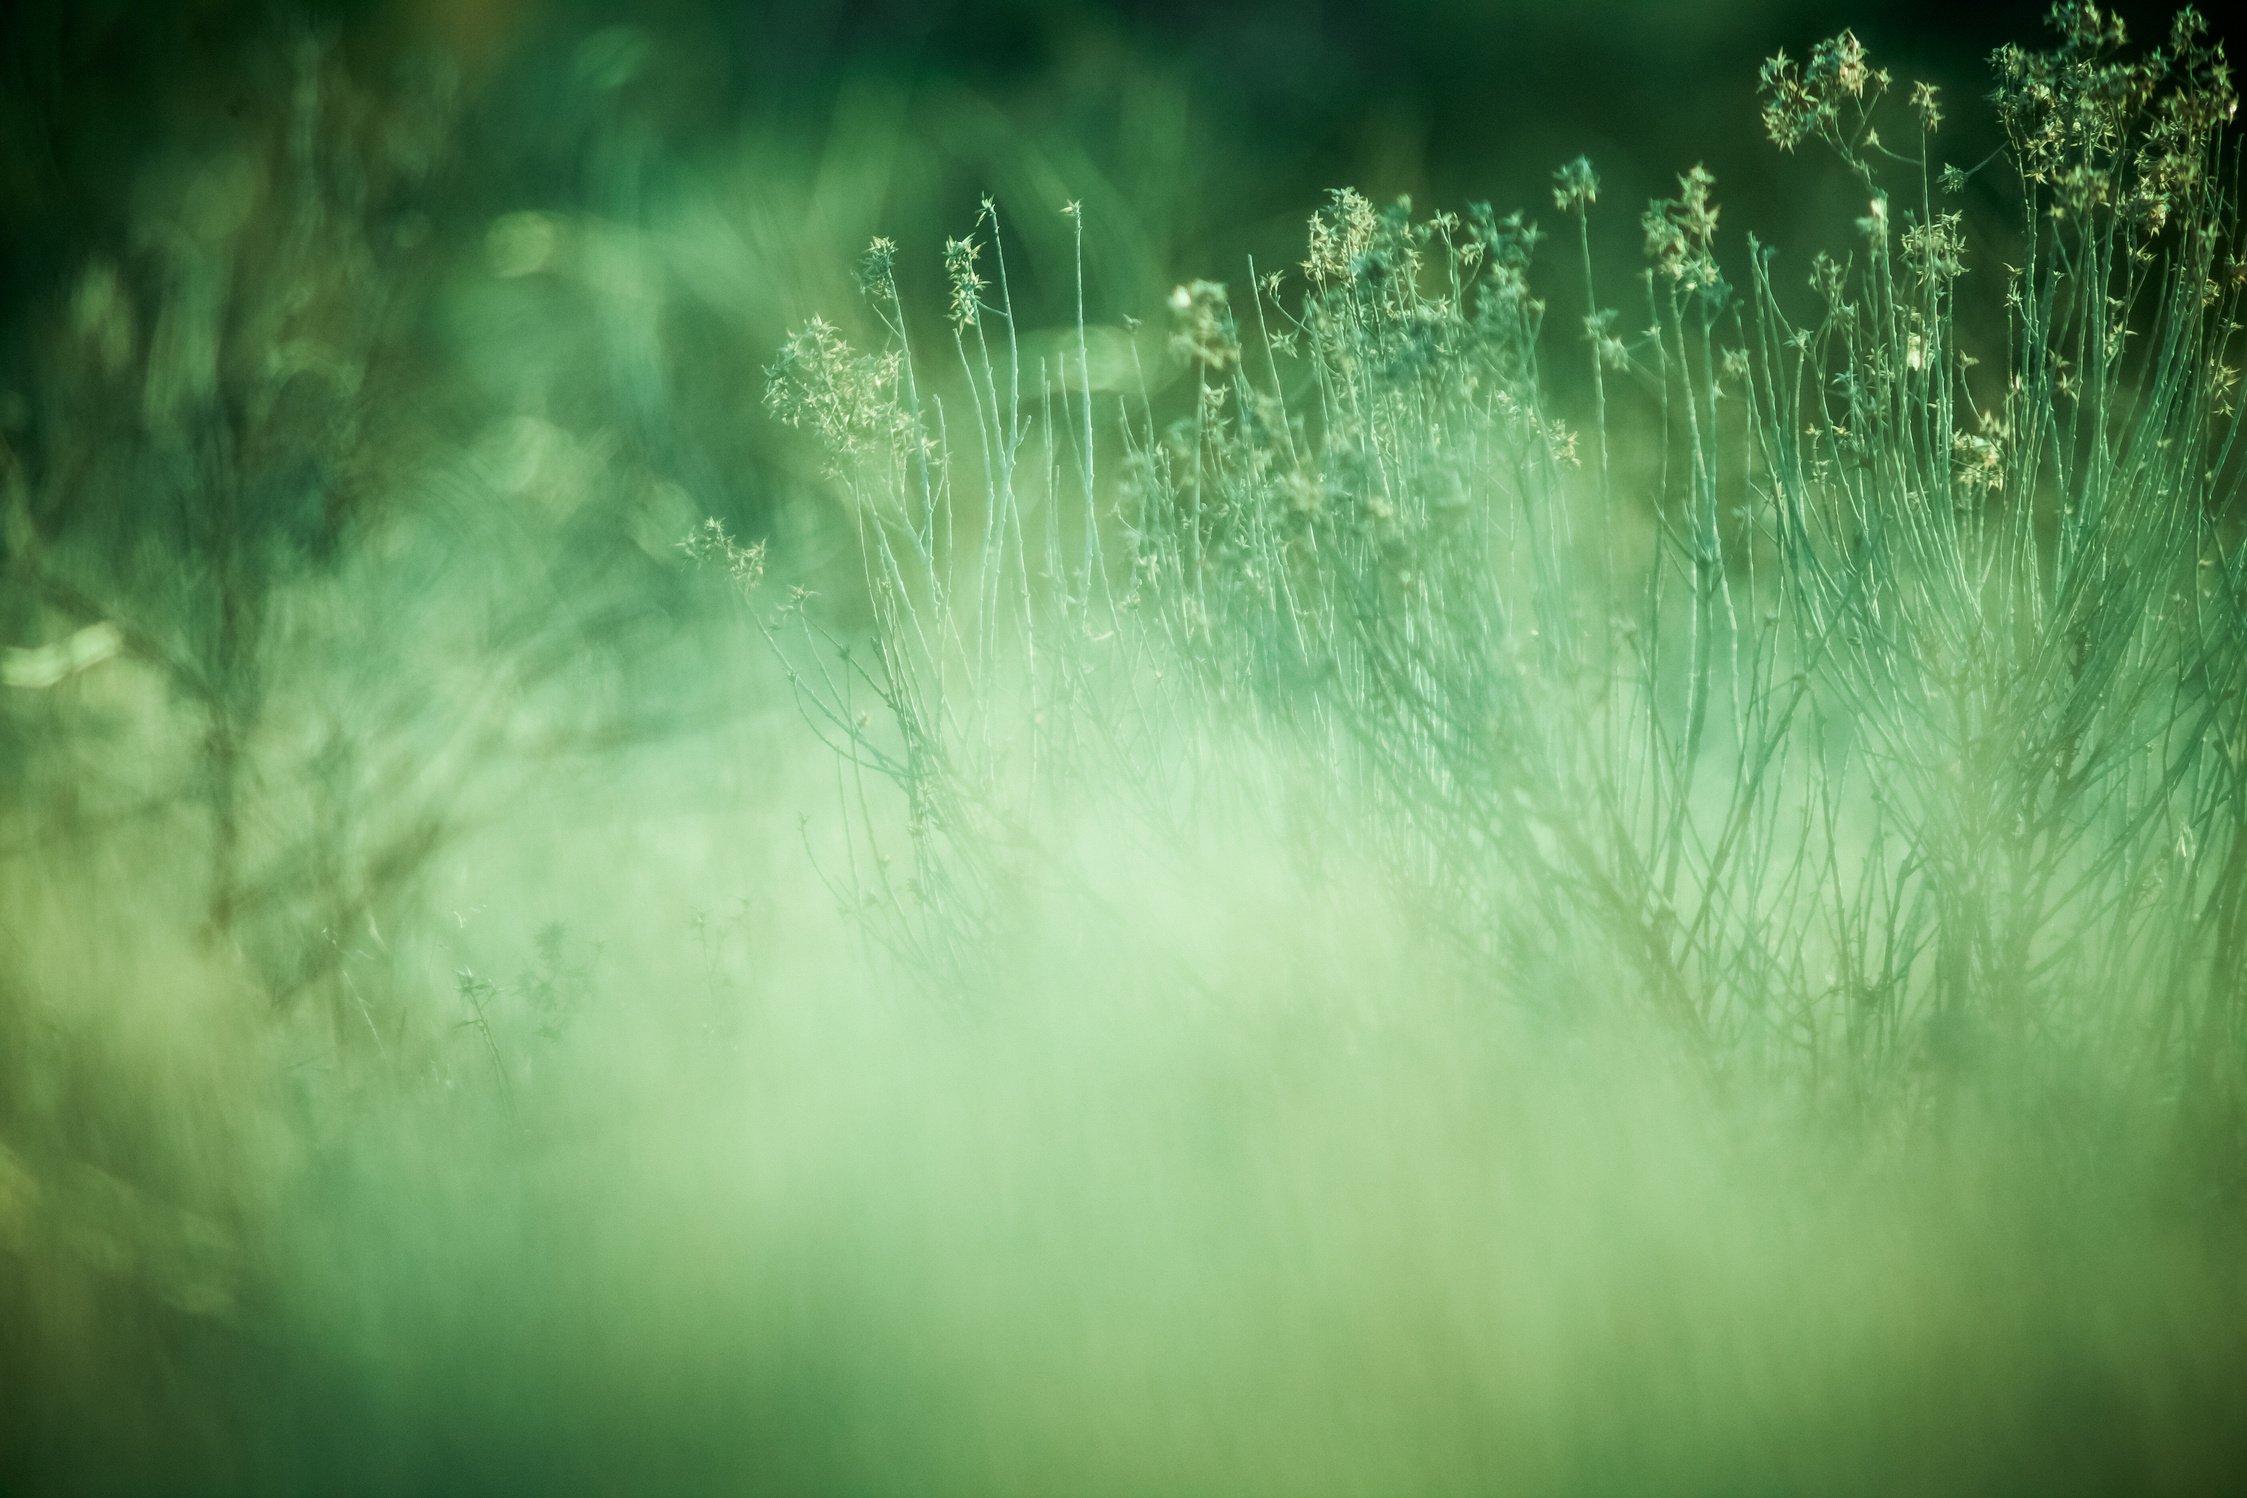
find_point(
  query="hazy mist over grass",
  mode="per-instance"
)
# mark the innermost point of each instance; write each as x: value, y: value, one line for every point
x: 865, y: 750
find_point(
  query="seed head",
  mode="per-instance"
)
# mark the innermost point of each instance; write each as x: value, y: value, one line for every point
x: 967, y: 285
x: 1575, y: 186
x: 1926, y: 106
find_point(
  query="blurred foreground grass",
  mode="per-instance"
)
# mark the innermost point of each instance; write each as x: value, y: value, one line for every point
x: 756, y: 1224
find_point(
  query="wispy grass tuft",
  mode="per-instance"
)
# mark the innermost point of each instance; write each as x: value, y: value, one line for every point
x: 1853, y: 701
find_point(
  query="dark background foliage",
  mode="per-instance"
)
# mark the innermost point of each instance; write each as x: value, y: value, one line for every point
x: 1196, y: 134
x: 1272, y: 101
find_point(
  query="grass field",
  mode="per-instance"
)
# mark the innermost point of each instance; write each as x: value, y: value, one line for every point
x: 1552, y: 852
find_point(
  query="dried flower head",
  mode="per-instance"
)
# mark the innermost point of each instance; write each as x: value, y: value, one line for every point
x: 877, y: 270
x: 1804, y: 101
x: 1204, y: 330
x: 1927, y: 106
x: 1341, y: 233
x: 712, y: 545
x: 1575, y: 186
x: 960, y: 256
x: 1681, y: 231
